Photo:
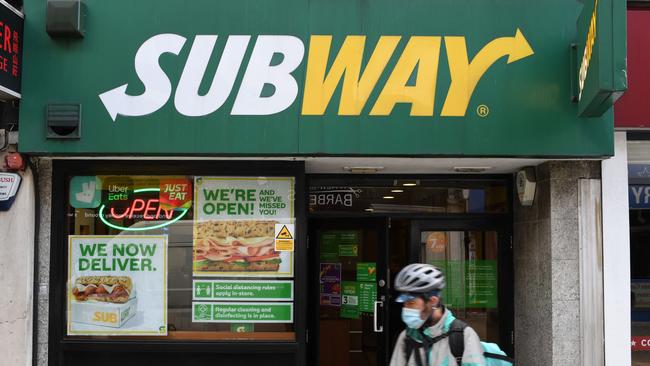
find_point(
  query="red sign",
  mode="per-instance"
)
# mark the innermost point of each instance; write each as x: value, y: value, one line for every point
x: 175, y: 193
x: 632, y: 109
x: 147, y: 209
x: 641, y: 343
x: 11, y: 41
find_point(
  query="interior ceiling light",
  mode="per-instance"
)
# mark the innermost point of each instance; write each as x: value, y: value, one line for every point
x: 369, y: 209
x: 406, y: 182
x: 397, y: 190
x: 471, y: 169
x: 388, y: 197
x: 363, y: 169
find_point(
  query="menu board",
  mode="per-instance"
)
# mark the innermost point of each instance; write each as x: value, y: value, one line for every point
x: 470, y: 283
x: 117, y: 285
x: 482, y: 284
x: 367, y: 296
x: 235, y: 221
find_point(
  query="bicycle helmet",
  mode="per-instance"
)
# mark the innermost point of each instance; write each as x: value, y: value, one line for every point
x: 419, y: 279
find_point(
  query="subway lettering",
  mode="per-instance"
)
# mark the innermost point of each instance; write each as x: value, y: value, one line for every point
x: 105, y: 317
x: 420, y: 57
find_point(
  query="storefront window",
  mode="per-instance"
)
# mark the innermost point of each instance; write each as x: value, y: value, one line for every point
x: 181, y: 257
x: 639, y: 201
x: 415, y: 196
x: 469, y: 261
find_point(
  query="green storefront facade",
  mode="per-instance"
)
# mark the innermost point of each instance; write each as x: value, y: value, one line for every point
x: 511, y: 64
x: 152, y: 97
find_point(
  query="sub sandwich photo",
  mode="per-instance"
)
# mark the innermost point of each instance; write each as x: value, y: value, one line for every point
x: 111, y: 289
x: 235, y: 246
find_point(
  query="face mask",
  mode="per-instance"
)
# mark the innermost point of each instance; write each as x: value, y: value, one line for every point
x: 411, y: 317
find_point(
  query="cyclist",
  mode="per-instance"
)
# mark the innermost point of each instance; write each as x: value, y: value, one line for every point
x: 425, y: 340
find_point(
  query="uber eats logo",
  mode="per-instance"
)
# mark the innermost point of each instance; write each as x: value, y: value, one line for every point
x: 412, y: 80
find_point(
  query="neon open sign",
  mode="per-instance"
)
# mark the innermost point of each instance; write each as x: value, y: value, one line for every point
x: 141, y: 208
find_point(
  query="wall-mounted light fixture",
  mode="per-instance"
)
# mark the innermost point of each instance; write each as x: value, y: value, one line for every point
x: 526, y: 185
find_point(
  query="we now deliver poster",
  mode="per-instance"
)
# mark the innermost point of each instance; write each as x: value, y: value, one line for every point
x: 117, y: 285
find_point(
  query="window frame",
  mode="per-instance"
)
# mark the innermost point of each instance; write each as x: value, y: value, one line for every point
x: 61, y: 347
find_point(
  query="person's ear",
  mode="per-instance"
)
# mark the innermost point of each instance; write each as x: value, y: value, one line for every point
x: 434, y: 300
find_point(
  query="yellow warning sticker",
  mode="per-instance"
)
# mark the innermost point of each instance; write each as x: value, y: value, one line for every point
x: 284, y: 237
x: 284, y: 233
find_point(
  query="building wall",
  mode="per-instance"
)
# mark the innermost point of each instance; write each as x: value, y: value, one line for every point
x: 16, y: 275
x: 547, y: 269
x: 616, y: 256
x: 43, y: 281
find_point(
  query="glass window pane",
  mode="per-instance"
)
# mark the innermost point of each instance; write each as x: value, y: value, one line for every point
x: 469, y: 262
x: 386, y: 196
x: 181, y: 257
x: 640, y: 282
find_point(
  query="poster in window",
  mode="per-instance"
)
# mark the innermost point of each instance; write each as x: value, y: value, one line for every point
x: 117, y: 285
x: 330, y: 284
x: 235, y: 222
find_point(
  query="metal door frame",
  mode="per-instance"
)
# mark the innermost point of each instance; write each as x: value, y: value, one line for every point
x: 505, y: 265
x: 381, y: 223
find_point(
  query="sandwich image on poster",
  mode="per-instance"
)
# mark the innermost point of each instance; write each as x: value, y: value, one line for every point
x: 238, y: 246
x: 103, y: 300
x: 117, y: 285
x: 235, y: 221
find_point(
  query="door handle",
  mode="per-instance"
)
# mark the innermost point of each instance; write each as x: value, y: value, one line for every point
x: 377, y: 328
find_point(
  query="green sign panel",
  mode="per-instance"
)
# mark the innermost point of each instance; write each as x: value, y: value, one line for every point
x: 329, y: 247
x: 85, y: 191
x: 367, y: 296
x: 293, y: 77
x: 245, y: 312
x: 335, y: 243
x: 348, y: 250
x: 470, y: 284
x: 350, y: 300
x: 367, y: 271
x: 601, y: 56
x: 243, y: 290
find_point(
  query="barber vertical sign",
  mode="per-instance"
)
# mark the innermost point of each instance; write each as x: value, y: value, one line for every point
x: 11, y: 49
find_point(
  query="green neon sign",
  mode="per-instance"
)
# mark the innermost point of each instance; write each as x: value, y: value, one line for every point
x: 124, y: 228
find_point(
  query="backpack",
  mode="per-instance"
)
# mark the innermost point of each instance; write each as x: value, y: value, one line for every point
x: 494, y: 356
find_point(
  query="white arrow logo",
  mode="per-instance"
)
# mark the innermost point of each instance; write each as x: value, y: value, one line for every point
x: 157, y: 86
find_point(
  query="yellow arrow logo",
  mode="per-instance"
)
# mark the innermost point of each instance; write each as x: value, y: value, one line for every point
x: 465, y: 75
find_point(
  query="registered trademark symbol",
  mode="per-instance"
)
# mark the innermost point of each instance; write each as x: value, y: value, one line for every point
x: 482, y: 110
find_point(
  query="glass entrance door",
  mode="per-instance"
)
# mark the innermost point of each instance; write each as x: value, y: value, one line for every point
x: 474, y: 260
x: 358, y: 321
x: 351, y: 291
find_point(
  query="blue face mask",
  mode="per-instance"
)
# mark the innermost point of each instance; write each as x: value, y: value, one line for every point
x: 411, y: 317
